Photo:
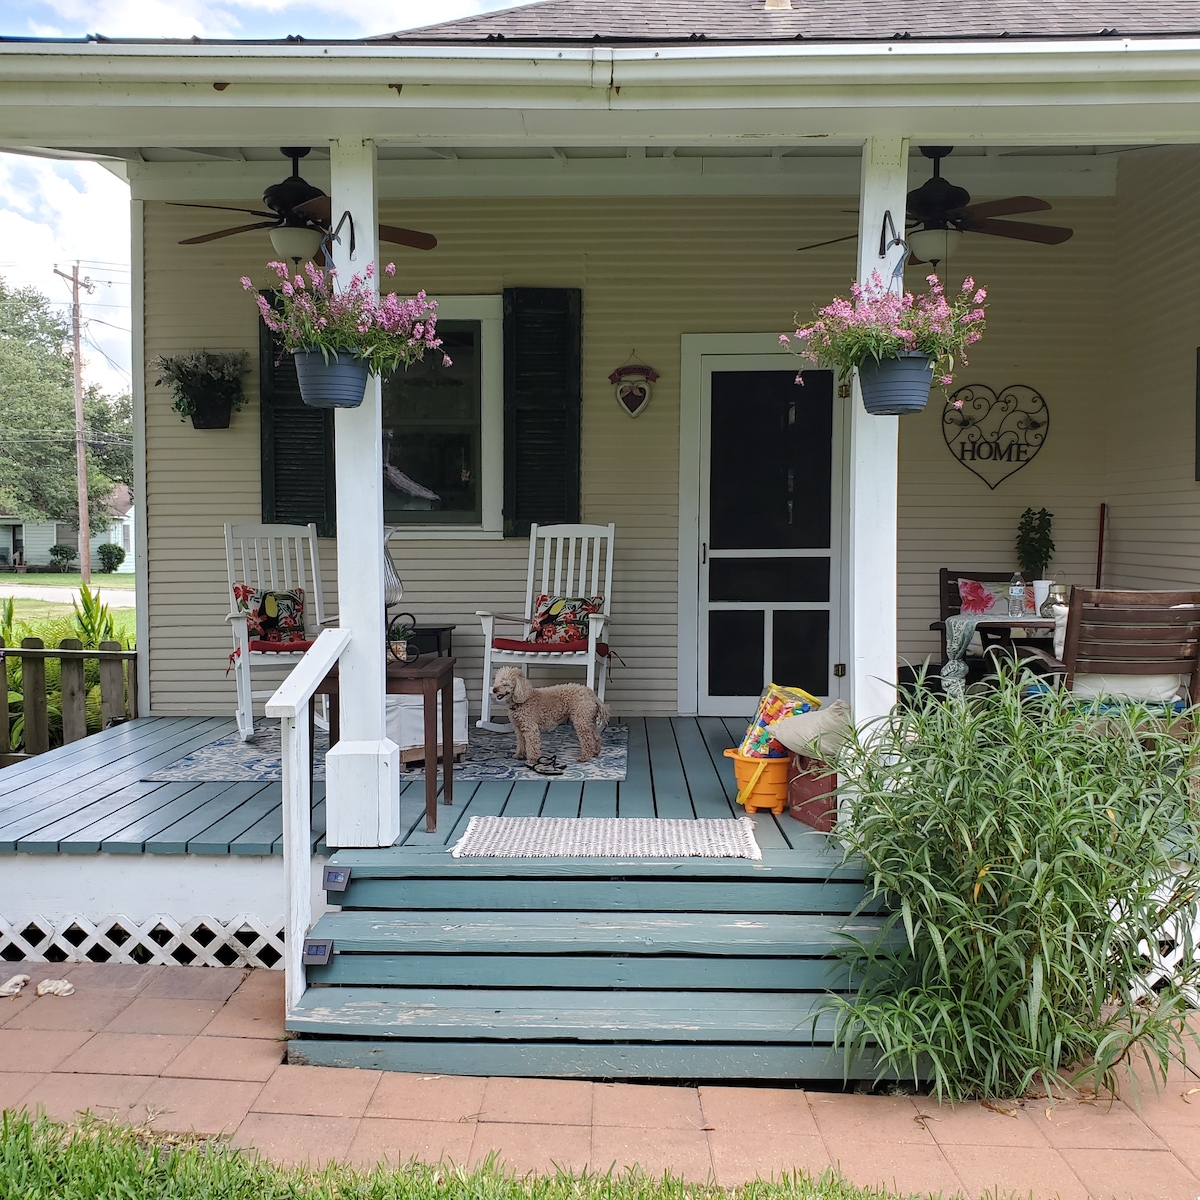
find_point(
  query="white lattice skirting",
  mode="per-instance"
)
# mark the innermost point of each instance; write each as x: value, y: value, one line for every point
x: 159, y: 940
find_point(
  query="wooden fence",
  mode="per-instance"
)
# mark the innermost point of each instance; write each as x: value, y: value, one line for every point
x: 118, y: 691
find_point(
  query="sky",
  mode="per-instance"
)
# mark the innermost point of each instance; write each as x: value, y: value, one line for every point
x: 54, y: 213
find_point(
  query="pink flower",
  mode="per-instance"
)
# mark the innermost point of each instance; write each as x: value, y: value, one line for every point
x: 390, y: 269
x: 247, y: 282
x: 955, y: 403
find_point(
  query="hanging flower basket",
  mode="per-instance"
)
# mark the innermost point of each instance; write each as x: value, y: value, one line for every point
x: 892, y: 387
x: 206, y: 385
x: 897, y: 341
x: 338, y: 383
x: 340, y: 335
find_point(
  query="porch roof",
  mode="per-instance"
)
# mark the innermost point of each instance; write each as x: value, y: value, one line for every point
x: 666, y: 21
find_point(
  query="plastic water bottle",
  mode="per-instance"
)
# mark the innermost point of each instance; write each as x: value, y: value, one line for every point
x: 1016, y: 595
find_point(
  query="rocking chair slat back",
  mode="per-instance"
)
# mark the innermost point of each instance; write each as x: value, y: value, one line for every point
x: 570, y: 560
x: 276, y: 558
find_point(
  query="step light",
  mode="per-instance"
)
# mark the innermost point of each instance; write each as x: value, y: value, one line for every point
x: 335, y: 879
x: 318, y: 952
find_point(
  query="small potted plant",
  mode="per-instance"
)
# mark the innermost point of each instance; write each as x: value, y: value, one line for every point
x: 206, y: 384
x: 340, y: 335
x: 895, y: 341
x: 1035, y: 549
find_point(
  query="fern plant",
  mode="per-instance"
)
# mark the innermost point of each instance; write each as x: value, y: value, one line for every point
x: 1029, y: 850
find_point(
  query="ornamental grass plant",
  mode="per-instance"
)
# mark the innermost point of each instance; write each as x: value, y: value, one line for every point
x: 877, y: 323
x: 313, y: 311
x: 1031, y: 849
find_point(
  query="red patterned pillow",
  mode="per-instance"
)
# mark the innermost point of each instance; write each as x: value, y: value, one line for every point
x: 977, y: 597
x: 271, y: 616
x: 562, y: 618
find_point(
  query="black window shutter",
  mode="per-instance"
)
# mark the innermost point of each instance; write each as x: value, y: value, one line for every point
x: 542, y: 335
x: 297, y: 445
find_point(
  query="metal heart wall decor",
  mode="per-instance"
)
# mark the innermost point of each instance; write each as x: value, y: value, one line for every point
x: 995, y: 434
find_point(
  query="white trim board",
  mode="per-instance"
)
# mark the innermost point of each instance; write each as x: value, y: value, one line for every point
x: 141, y: 886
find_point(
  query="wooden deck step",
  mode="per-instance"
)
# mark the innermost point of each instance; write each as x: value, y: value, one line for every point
x: 534, y: 1015
x: 630, y: 933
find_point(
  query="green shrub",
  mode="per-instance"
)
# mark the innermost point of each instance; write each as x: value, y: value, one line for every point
x: 62, y: 556
x: 111, y: 556
x: 1025, y: 845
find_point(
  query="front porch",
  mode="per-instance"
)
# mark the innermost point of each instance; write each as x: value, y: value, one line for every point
x: 595, y: 968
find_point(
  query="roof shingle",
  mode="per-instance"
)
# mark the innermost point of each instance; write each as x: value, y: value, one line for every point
x: 643, y: 21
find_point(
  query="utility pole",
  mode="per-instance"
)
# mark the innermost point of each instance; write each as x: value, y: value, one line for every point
x: 85, y: 530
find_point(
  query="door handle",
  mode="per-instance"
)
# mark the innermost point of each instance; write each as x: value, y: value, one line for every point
x: 704, y: 554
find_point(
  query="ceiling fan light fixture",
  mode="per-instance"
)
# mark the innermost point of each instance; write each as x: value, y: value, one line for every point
x: 934, y: 245
x: 297, y: 242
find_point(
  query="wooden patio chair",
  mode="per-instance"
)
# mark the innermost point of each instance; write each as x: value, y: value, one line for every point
x: 565, y: 562
x: 269, y: 558
x: 1131, y: 646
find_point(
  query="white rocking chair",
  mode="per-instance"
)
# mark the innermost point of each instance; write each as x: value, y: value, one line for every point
x: 277, y: 558
x: 568, y: 561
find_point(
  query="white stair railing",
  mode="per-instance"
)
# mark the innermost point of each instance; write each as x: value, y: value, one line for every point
x: 291, y: 704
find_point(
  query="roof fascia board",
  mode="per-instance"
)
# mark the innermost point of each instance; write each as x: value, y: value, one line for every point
x: 603, y: 67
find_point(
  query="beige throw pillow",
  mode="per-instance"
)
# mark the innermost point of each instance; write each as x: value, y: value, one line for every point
x: 815, y: 734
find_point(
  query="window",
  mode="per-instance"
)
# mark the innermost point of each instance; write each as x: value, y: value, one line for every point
x: 443, y: 426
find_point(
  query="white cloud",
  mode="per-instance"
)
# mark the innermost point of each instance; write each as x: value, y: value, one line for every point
x: 52, y: 213
x: 250, y: 18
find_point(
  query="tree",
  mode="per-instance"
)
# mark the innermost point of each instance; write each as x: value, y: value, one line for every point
x: 37, y: 418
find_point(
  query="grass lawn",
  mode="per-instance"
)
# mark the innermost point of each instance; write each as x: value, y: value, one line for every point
x: 47, y: 1161
x: 66, y: 580
x: 32, y: 612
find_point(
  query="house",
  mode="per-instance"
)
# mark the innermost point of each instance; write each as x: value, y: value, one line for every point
x: 608, y: 181
x: 28, y: 542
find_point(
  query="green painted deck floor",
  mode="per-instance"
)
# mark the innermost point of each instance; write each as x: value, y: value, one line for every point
x: 94, y: 795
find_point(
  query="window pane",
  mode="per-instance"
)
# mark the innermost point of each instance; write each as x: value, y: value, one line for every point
x: 735, y: 653
x: 769, y: 484
x: 769, y: 579
x: 431, y: 433
x: 800, y: 645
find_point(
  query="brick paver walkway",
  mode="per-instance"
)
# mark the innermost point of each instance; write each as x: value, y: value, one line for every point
x: 199, y: 1049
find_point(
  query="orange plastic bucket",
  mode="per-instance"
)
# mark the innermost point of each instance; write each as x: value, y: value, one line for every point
x: 762, y: 782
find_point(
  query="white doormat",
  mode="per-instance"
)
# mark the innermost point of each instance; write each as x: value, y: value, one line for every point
x: 606, y: 837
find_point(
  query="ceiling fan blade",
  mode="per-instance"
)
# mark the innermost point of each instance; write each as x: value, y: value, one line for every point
x: 319, y: 206
x: 1021, y: 231
x: 831, y: 242
x: 407, y: 237
x: 224, y: 233
x: 254, y: 212
x: 1006, y: 208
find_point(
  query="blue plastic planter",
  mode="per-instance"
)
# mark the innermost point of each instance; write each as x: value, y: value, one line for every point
x: 338, y: 383
x: 893, y: 387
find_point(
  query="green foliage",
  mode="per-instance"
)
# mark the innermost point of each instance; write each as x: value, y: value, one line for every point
x: 37, y: 418
x: 93, y: 619
x: 111, y: 557
x: 200, y: 374
x: 1025, y: 845
x: 41, y: 1160
x: 1035, y: 546
x: 63, y: 555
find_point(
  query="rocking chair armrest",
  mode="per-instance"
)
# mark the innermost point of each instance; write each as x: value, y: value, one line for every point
x: 596, y: 624
x: 328, y: 621
x: 512, y: 617
x: 237, y: 616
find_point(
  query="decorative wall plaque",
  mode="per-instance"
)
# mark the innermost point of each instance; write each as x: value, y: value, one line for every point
x: 632, y: 385
x: 995, y: 434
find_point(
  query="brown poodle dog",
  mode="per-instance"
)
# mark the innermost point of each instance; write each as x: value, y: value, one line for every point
x: 533, y: 709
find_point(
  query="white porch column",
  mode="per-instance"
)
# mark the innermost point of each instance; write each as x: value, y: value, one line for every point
x: 363, y: 769
x: 874, y: 450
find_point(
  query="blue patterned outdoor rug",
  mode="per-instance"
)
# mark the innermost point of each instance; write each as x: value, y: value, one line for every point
x: 489, y: 756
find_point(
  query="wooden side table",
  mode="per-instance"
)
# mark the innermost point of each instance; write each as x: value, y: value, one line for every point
x: 426, y: 678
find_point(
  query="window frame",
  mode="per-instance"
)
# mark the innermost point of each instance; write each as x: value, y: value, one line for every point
x: 489, y: 312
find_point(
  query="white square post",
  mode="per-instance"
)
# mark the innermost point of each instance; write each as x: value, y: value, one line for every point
x: 362, y: 783
x: 874, y: 453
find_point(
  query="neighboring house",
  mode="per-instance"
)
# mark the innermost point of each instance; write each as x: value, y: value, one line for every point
x: 606, y: 182
x: 29, y: 542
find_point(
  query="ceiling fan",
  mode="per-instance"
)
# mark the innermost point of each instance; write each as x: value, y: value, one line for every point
x: 940, y: 212
x: 300, y: 217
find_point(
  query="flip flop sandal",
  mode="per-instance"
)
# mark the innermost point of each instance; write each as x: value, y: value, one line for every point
x: 547, y: 765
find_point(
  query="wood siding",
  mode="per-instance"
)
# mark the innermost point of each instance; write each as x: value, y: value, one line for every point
x: 650, y: 269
